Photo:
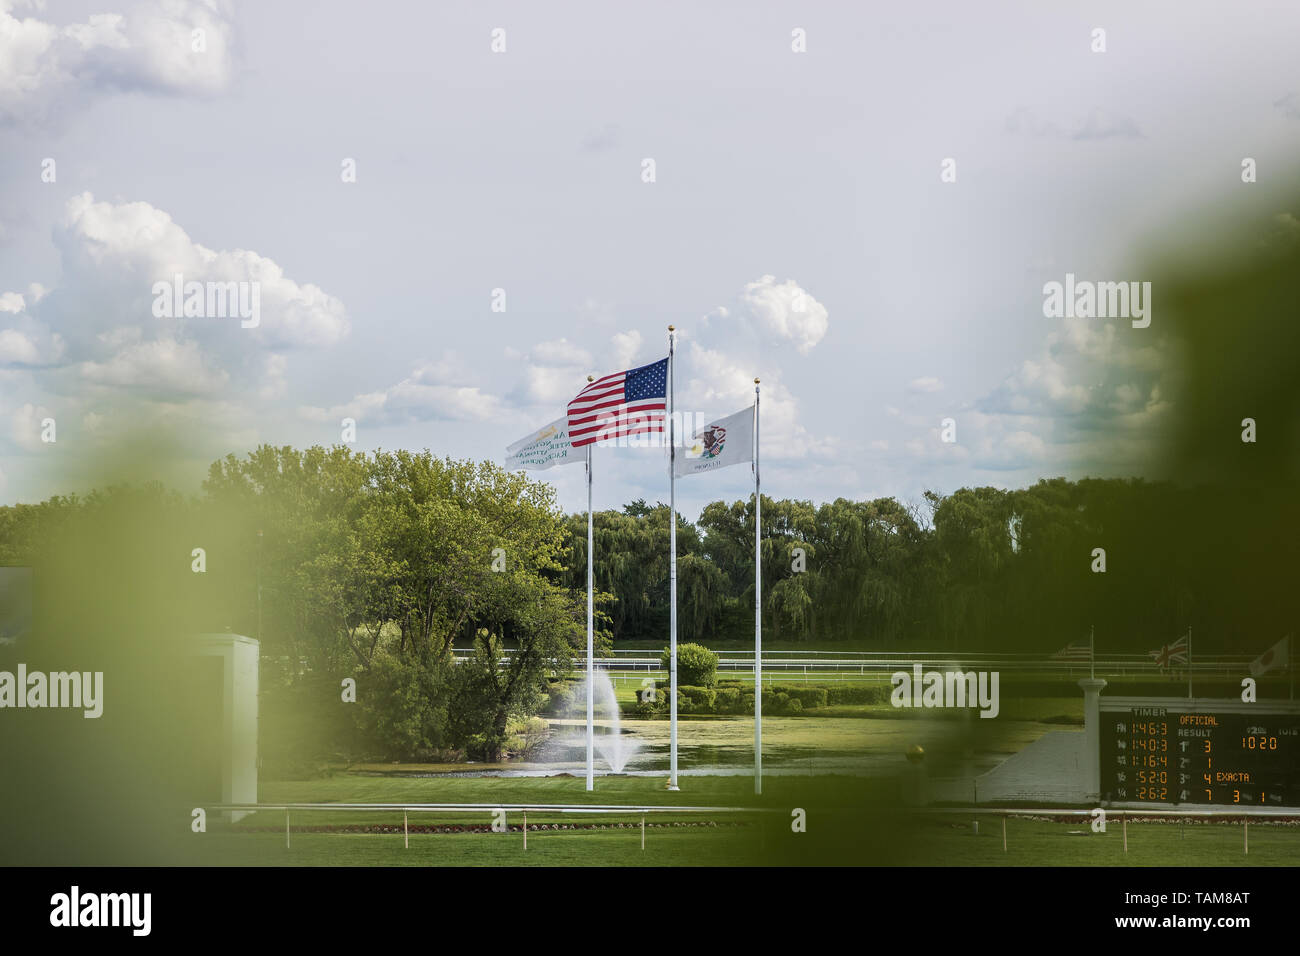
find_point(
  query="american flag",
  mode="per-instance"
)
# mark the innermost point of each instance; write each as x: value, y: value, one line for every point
x: 1170, y: 654
x: 1073, y: 652
x: 625, y: 403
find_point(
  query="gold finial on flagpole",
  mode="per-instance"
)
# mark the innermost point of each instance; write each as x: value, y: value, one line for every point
x: 755, y: 381
x: 590, y: 379
x: 670, y: 328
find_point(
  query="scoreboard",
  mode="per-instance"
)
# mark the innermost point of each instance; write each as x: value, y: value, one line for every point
x: 1169, y: 751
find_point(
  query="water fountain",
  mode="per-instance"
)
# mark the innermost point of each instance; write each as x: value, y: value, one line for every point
x: 612, y: 746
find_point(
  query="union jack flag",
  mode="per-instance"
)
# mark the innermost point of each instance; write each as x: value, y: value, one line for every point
x: 1170, y: 654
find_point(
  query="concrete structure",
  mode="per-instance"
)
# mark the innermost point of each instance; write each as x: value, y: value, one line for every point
x: 1059, y: 767
x: 236, y: 754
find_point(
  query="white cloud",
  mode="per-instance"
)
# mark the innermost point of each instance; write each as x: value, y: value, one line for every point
x: 163, y: 365
x: 776, y: 313
x: 25, y: 425
x: 17, y: 349
x: 925, y: 384
x: 25, y: 341
x: 625, y: 347
x: 727, y: 387
x: 422, y: 396
x: 130, y: 246
x: 45, y: 68
x: 1093, y: 397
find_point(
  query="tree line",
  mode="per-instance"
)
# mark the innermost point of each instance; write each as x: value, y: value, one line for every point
x: 375, y: 566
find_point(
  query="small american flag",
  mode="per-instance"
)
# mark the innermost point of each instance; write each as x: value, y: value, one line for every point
x: 1073, y: 652
x: 625, y: 403
x: 1170, y: 654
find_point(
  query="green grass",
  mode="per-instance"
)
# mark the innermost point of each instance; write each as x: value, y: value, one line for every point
x: 850, y: 821
x: 1043, y: 843
x: 721, y: 847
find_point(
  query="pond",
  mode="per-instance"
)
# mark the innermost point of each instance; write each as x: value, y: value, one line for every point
x: 791, y: 745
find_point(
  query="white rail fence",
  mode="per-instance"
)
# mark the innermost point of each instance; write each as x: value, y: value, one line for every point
x: 523, y: 809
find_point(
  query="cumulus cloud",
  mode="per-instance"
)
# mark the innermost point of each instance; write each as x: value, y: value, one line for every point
x: 1094, y: 396
x: 162, y: 365
x: 23, y: 340
x: 554, y: 371
x: 720, y: 384
x: 170, y: 47
x: 424, y: 395
x: 777, y: 313
x: 926, y: 384
x: 114, y: 366
x: 127, y: 247
x: 25, y: 425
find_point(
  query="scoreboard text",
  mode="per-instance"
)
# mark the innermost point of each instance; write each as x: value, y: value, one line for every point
x: 1171, y: 751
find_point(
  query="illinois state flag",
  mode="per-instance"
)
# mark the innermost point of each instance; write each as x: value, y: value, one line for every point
x: 727, y: 441
x: 1275, y: 656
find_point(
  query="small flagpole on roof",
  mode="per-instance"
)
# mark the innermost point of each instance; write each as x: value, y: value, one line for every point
x: 1189, y: 663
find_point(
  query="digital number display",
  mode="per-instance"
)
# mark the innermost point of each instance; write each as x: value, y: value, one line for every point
x: 1172, y: 751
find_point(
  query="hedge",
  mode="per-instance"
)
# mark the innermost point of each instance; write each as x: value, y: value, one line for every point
x: 737, y: 697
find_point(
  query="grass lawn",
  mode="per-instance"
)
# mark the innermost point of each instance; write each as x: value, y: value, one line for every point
x: 1039, y: 843
x: 569, y: 848
x: 849, y: 822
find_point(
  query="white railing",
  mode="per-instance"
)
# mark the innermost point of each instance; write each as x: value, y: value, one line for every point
x: 523, y: 809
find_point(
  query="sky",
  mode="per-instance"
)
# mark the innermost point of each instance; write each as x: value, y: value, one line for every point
x: 455, y: 212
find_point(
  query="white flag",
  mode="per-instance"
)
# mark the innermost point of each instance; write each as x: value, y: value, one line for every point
x: 1275, y: 656
x: 544, y: 448
x: 727, y: 441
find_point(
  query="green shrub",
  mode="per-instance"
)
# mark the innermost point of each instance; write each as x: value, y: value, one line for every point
x: 651, y: 708
x: 702, y: 698
x: 727, y: 700
x: 808, y: 696
x: 859, y: 694
x: 696, y: 665
x: 561, y: 694
x: 402, y: 708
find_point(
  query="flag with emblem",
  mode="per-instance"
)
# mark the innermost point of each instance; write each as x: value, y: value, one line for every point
x: 726, y: 441
x: 1276, y: 656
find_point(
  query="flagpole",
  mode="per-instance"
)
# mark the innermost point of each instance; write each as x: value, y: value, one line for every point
x: 1189, y: 663
x: 591, y: 662
x: 758, y: 613
x: 1092, y: 652
x: 672, y: 576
